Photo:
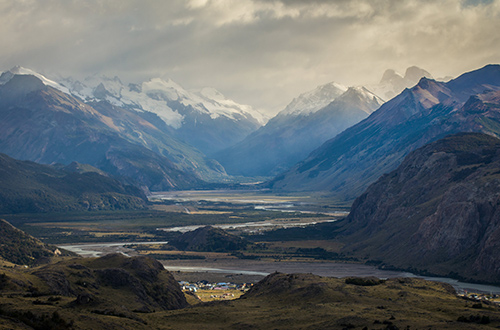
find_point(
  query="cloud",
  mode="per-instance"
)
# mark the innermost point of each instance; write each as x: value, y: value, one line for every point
x: 260, y: 52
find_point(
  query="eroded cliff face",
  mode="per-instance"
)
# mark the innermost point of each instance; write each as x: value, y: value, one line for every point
x: 439, y: 211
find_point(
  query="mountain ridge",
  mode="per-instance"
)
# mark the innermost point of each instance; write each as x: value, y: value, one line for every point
x: 193, y: 116
x: 30, y: 187
x: 292, y: 134
x: 345, y: 165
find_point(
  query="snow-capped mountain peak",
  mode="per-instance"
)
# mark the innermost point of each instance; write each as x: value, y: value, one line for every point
x: 19, y: 70
x: 174, y: 104
x: 219, y: 105
x: 314, y: 100
x: 360, y: 96
x: 212, y: 93
x: 168, y: 90
x: 361, y: 92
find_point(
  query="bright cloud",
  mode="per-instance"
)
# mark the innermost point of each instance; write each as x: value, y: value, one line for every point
x: 259, y: 52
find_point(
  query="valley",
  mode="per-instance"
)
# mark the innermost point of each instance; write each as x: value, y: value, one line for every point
x: 146, y: 233
x: 327, y: 188
x: 245, y: 165
x: 236, y: 211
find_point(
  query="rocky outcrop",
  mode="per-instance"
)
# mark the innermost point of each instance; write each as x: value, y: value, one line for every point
x: 438, y: 212
x: 209, y: 239
x: 135, y: 284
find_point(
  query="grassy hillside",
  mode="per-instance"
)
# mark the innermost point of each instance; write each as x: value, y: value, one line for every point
x: 27, y: 187
x: 280, y: 301
x: 99, y: 293
x: 20, y: 248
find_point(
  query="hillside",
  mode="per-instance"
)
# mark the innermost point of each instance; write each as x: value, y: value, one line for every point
x: 437, y: 212
x: 112, y: 292
x: 27, y: 187
x: 280, y: 301
x: 209, y: 239
x: 345, y: 165
x: 305, y: 301
x: 20, y: 248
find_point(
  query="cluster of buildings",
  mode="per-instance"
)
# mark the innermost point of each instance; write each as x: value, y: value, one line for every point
x: 494, y: 298
x: 221, y: 286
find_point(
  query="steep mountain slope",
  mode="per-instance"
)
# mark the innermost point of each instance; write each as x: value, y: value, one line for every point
x: 348, y: 163
x: 439, y: 211
x: 30, y: 187
x: 20, y: 248
x: 148, y: 130
x: 205, y: 119
x: 301, y: 127
x: 43, y: 124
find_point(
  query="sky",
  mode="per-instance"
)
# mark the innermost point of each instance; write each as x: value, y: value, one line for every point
x: 258, y: 52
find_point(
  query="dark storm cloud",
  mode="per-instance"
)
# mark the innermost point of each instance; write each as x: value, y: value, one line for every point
x: 260, y: 52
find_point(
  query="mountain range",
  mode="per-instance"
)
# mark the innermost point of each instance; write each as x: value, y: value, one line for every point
x: 204, y: 119
x: 44, y: 124
x: 171, y: 129
x: 307, y: 122
x: 345, y: 165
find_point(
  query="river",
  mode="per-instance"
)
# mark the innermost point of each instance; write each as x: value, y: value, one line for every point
x: 263, y: 268
x: 252, y: 226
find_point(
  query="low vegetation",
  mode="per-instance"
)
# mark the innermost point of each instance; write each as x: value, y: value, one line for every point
x: 20, y: 248
x: 126, y: 293
x: 31, y: 187
x: 210, y: 239
x: 140, y: 225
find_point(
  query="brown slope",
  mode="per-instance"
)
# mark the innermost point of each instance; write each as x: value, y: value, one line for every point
x: 20, y: 248
x: 438, y: 212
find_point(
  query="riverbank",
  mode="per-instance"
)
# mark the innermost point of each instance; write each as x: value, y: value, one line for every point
x: 223, y: 266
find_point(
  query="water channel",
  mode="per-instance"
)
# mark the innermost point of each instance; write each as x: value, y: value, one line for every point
x: 254, y: 267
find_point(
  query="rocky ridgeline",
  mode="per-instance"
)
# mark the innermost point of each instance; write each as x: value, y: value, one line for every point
x: 438, y: 212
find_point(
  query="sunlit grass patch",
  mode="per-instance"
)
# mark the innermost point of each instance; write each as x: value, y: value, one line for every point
x: 215, y: 295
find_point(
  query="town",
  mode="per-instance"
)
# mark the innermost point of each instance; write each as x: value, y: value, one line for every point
x: 207, y: 291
